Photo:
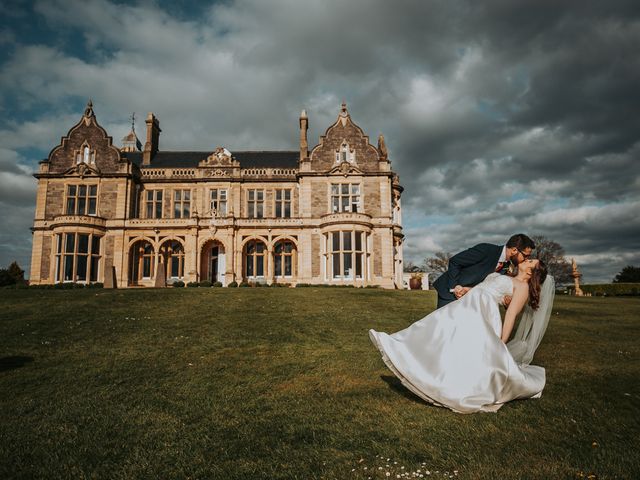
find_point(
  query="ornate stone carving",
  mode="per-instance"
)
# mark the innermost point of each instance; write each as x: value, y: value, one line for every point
x: 220, y: 157
x: 83, y: 170
x: 382, y: 147
x: 576, y: 277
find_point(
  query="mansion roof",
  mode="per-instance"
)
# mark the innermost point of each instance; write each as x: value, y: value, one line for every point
x: 247, y: 159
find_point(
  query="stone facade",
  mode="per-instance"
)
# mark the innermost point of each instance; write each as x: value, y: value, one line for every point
x: 329, y: 215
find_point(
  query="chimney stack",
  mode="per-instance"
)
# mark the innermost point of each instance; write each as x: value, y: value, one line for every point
x: 304, y: 126
x: 153, y: 134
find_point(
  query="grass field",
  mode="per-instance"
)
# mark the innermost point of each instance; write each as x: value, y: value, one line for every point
x: 284, y: 383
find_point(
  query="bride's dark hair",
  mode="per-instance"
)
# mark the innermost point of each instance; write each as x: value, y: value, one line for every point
x: 538, y: 276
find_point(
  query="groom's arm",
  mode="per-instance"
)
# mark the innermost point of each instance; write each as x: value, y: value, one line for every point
x: 462, y: 260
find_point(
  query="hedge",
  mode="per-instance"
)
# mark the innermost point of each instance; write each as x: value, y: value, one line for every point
x: 611, y: 289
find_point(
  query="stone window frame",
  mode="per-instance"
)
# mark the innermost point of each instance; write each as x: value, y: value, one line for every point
x: 215, y: 204
x: 181, y: 207
x: 283, y: 202
x: 341, y: 195
x: 358, y: 254
x: 157, y: 204
x: 139, y: 254
x: 66, y: 252
x: 255, y: 259
x: 255, y: 205
x: 76, y: 198
x: 172, y: 256
x: 85, y: 152
x: 345, y: 154
x: 282, y: 255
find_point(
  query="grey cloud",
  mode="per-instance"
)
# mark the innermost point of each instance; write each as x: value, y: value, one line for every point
x: 495, y: 112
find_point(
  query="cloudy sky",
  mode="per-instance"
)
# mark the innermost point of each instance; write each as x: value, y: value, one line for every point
x: 500, y: 116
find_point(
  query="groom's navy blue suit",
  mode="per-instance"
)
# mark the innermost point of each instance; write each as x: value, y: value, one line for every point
x: 467, y: 268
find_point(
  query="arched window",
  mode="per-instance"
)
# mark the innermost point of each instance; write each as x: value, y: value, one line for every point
x: 345, y: 154
x: 85, y: 155
x: 283, y: 258
x: 255, y: 252
x: 142, y: 264
x: 172, y: 254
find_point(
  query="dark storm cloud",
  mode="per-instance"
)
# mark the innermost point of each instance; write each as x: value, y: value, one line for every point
x: 500, y: 116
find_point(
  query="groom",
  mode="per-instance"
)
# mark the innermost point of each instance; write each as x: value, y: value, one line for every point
x: 470, y: 267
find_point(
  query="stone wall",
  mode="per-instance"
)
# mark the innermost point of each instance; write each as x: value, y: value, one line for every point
x: 377, y: 255
x: 107, y: 202
x: 45, y: 261
x: 55, y: 200
x: 315, y: 255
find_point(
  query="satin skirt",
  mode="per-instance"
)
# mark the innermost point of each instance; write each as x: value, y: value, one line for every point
x: 454, y: 358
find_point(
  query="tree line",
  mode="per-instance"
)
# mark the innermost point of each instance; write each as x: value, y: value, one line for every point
x: 547, y: 250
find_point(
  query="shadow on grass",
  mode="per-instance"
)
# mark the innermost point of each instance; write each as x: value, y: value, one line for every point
x: 396, y: 385
x: 11, y: 363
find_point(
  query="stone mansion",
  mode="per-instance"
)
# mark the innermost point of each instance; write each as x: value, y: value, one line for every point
x: 140, y: 216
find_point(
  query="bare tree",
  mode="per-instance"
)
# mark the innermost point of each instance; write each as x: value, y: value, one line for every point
x: 409, y: 266
x: 438, y: 263
x: 552, y: 254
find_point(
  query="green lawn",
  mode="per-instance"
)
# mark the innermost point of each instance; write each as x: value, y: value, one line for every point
x: 284, y: 383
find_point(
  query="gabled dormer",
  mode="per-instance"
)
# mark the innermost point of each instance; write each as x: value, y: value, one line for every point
x: 86, y: 149
x: 344, y: 142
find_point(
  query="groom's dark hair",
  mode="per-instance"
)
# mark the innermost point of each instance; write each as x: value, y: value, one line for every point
x: 521, y: 241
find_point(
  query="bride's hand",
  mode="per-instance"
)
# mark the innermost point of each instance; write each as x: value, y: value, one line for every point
x: 459, y: 291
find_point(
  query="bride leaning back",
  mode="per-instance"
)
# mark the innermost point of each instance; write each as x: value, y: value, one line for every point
x: 458, y: 356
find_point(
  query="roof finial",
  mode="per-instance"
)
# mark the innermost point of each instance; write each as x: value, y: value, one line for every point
x: 88, y: 112
x: 343, y: 110
x: 133, y: 122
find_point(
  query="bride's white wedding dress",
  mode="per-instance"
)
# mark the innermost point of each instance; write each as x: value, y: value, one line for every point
x: 454, y: 356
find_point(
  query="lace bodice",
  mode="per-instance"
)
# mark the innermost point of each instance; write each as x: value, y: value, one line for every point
x: 497, y: 286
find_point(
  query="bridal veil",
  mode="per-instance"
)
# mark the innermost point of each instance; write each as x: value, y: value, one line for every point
x: 533, y: 325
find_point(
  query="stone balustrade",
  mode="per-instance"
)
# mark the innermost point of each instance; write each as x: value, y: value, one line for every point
x: 184, y: 173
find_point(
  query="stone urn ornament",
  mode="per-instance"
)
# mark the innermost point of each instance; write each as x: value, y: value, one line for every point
x: 415, y: 282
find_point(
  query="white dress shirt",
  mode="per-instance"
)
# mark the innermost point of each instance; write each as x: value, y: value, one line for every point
x: 503, y: 256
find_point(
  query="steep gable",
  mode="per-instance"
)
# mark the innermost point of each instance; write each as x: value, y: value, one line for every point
x: 345, y: 147
x: 87, y: 149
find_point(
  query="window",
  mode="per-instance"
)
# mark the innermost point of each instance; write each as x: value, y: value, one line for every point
x: 82, y: 199
x: 154, y: 204
x: 346, y: 254
x: 283, y: 258
x: 283, y: 203
x: 254, y: 259
x: 345, y: 197
x: 172, y: 254
x: 255, y: 204
x: 218, y: 202
x: 77, y: 257
x: 86, y: 155
x: 181, y: 203
x: 142, y: 260
x: 345, y: 154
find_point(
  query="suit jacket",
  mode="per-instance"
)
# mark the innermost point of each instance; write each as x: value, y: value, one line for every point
x: 468, y: 268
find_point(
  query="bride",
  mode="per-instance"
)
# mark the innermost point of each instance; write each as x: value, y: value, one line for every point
x: 458, y: 356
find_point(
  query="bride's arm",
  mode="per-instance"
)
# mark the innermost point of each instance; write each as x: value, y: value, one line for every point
x: 520, y: 296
